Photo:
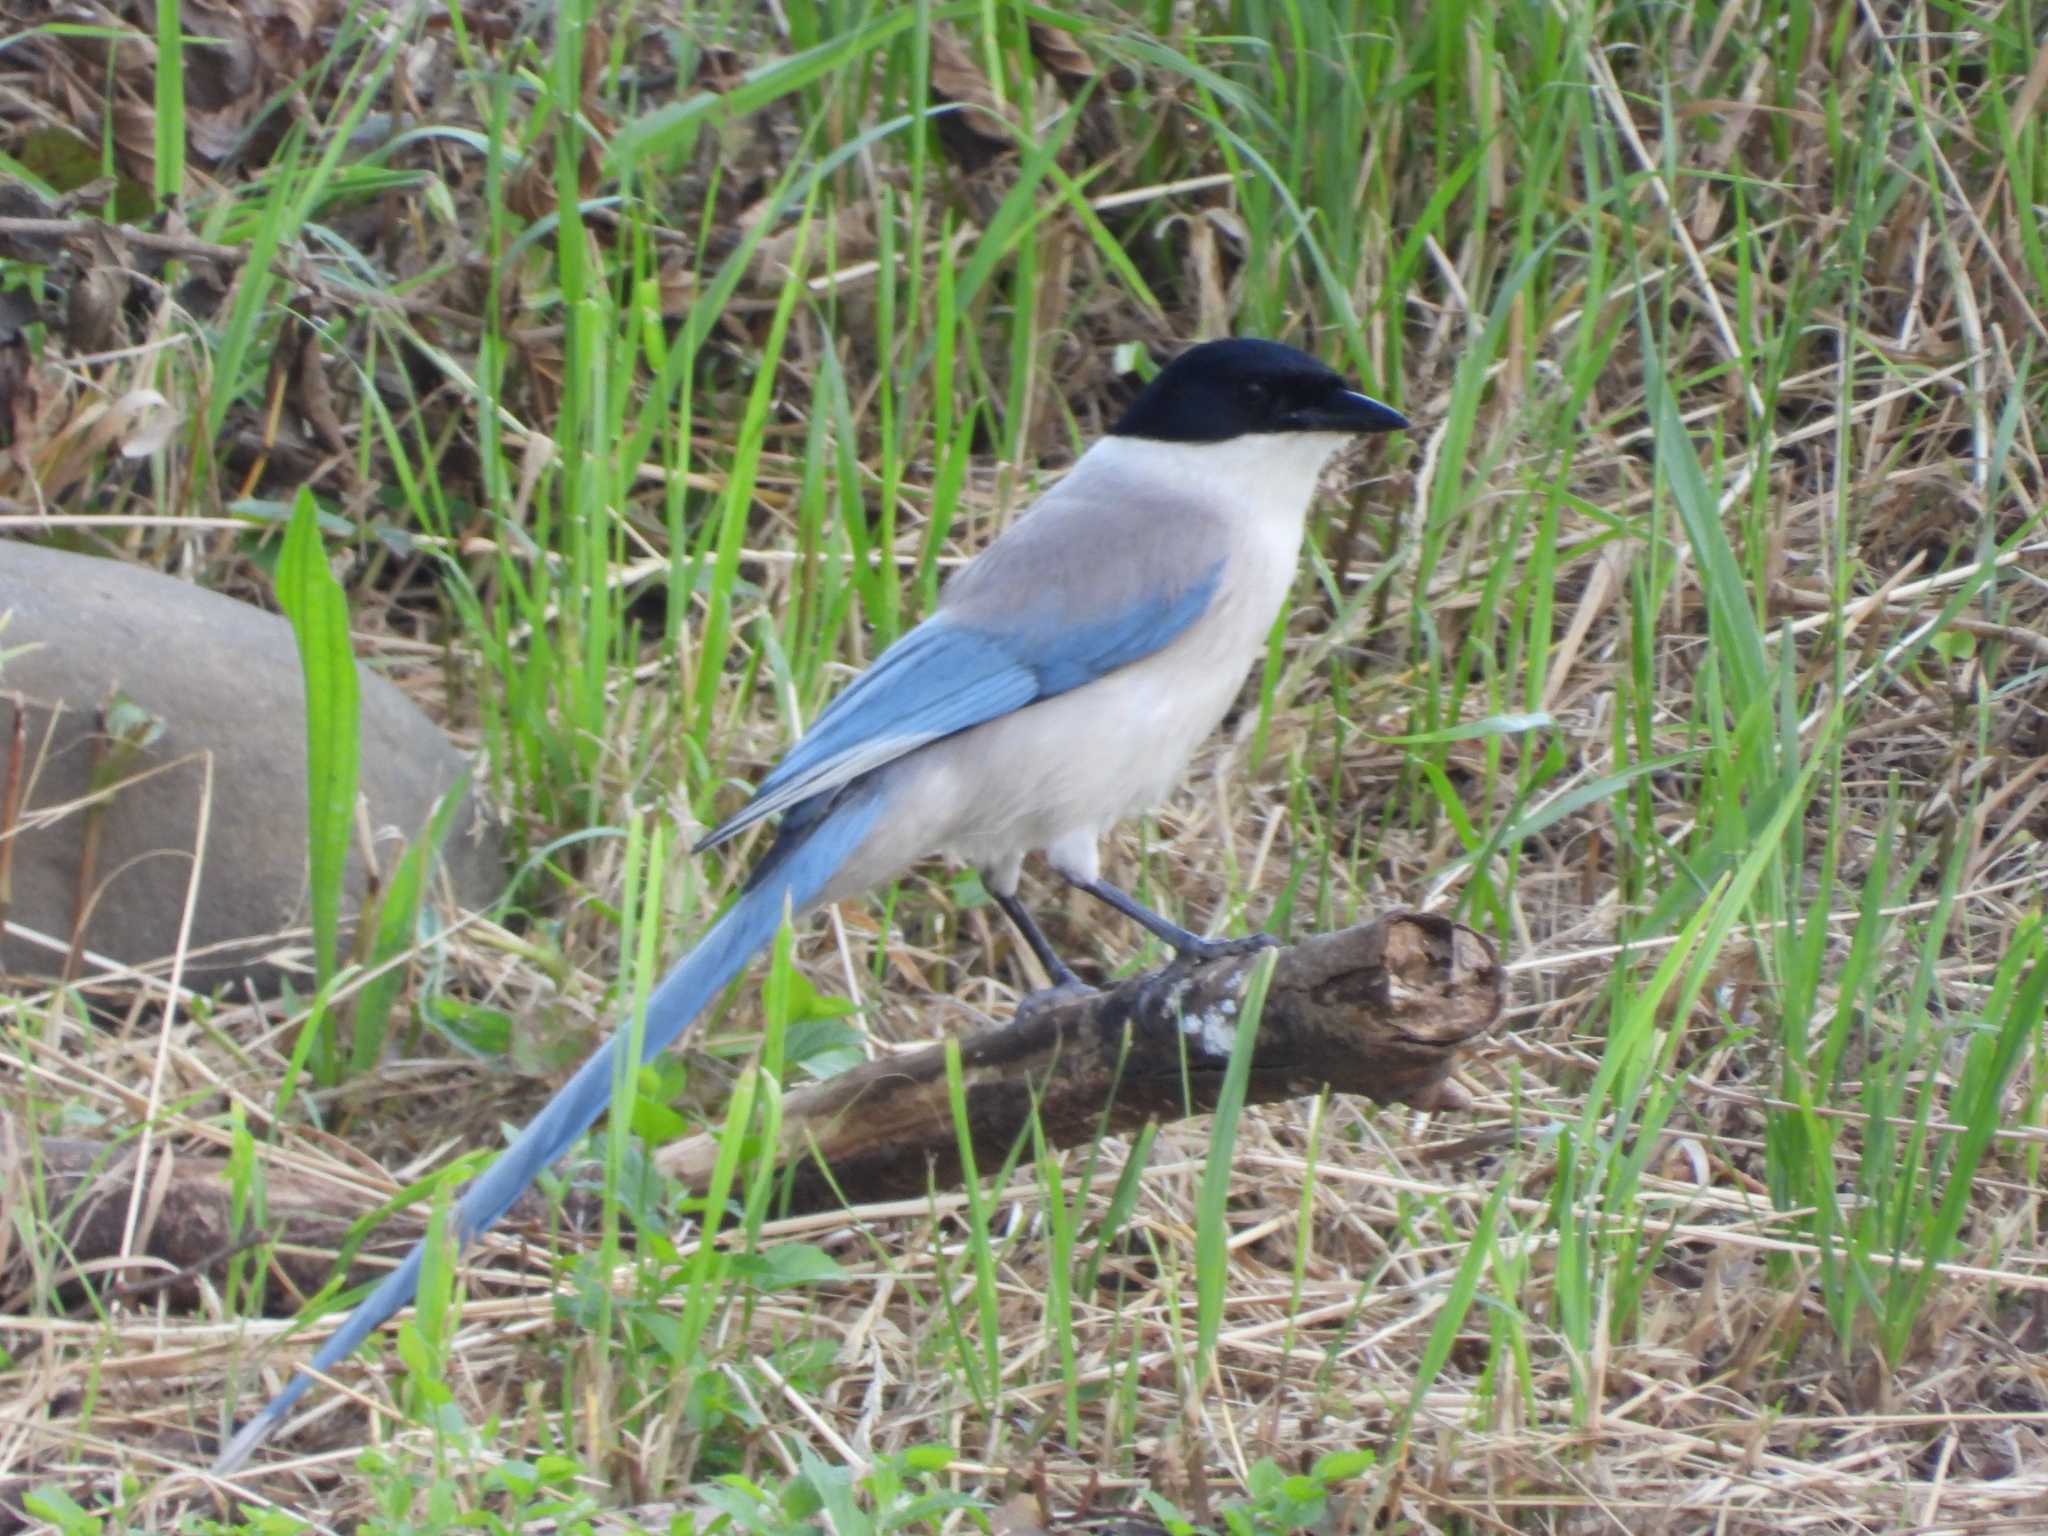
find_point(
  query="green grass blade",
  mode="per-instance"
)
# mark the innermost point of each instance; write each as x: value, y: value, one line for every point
x: 318, y: 610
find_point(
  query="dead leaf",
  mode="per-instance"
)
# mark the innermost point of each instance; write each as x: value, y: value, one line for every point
x: 1018, y: 1516
x: 224, y: 73
x: 18, y: 308
x: 212, y: 136
x: 73, y: 433
x: 283, y: 34
x: 1097, y: 137
x: 19, y: 201
x: 134, y: 124
x: 719, y: 69
x: 141, y: 422
x: 849, y: 237
x: 17, y: 401
x: 530, y: 192
x: 316, y: 395
x: 977, y: 131
x: 1217, y: 292
x: 676, y: 282
x: 92, y: 316
x: 1057, y: 49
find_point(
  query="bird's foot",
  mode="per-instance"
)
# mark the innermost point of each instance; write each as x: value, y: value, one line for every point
x: 1202, y: 951
x: 1059, y: 992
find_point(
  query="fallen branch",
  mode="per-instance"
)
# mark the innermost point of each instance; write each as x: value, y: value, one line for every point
x: 1380, y: 1009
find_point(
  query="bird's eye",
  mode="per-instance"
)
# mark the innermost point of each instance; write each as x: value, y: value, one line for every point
x: 1256, y: 392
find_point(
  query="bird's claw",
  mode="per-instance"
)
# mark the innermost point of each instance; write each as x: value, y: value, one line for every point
x: 1046, y: 997
x: 1205, y: 950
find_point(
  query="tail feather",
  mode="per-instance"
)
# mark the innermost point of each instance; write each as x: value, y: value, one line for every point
x: 806, y: 856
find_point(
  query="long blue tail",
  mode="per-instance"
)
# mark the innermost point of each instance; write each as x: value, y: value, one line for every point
x: 812, y: 846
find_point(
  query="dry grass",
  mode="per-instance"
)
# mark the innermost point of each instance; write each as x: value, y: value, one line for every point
x: 1803, y: 245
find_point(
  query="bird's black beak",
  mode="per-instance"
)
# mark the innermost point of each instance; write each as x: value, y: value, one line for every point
x: 1346, y: 410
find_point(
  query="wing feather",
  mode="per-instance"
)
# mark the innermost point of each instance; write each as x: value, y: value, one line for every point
x: 949, y: 674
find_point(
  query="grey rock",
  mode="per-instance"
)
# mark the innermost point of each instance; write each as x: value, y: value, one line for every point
x: 189, y: 673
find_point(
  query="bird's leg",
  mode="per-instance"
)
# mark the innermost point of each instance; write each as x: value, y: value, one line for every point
x: 1064, y: 982
x: 1189, y: 946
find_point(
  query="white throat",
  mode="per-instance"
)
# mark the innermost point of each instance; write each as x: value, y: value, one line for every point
x: 1264, y: 474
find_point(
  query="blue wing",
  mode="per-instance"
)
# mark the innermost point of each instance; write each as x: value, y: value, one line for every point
x: 950, y: 673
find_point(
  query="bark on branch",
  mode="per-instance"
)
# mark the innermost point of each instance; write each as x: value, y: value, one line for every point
x: 1380, y: 1009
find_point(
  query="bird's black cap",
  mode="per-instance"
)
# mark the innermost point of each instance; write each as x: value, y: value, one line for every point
x: 1224, y: 389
